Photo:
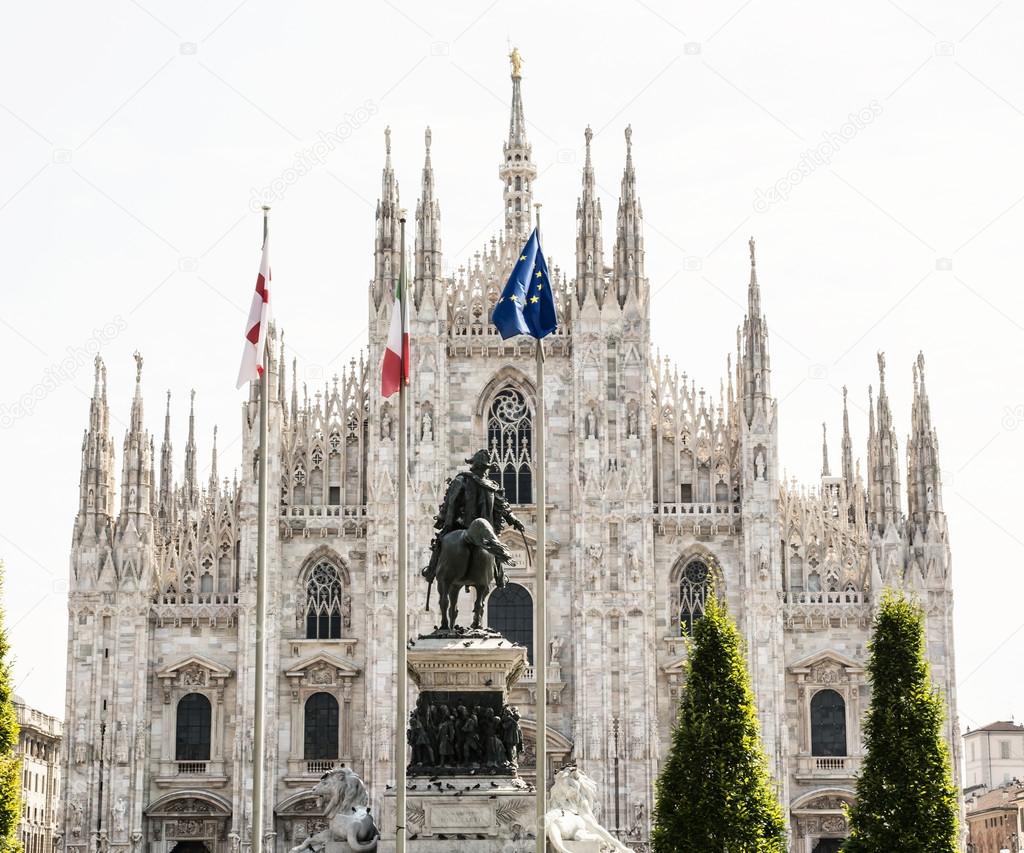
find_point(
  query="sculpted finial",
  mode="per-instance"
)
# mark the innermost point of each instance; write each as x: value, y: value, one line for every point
x: 750, y: 243
x: 629, y: 139
x: 387, y: 139
x: 881, y: 367
x: 138, y: 366
x: 588, y: 134
x: 426, y: 138
x: 517, y: 63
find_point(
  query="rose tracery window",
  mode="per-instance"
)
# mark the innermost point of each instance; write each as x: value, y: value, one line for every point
x: 509, y: 440
x: 324, y: 601
x: 694, y: 588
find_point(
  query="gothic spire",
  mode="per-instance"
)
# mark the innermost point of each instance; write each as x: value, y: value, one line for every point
x: 824, y: 451
x: 428, y: 233
x: 137, y: 467
x: 96, y: 484
x: 517, y: 170
x: 589, y: 251
x: 281, y: 391
x: 212, y: 488
x: 166, y: 468
x: 629, y: 240
x: 386, y: 247
x: 883, y: 471
x: 847, y: 447
x: 924, y: 481
x: 756, y: 362
x: 191, y: 486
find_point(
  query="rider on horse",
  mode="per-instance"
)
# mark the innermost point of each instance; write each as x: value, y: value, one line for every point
x: 471, y: 495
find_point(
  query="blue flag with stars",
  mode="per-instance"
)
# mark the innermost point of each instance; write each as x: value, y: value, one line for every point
x: 527, y: 305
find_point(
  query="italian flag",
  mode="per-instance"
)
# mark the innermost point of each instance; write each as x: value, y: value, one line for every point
x: 395, y: 369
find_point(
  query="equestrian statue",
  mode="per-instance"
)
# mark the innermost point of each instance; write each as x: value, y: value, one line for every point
x: 466, y: 550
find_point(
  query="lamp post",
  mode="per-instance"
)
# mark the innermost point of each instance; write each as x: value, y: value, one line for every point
x: 615, y: 735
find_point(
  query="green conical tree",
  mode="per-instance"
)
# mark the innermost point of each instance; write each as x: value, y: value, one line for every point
x: 10, y: 762
x: 715, y: 794
x: 906, y: 799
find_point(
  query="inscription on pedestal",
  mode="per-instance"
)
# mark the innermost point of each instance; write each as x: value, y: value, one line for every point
x: 460, y: 817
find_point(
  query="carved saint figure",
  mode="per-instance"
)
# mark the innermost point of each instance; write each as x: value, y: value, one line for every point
x: 517, y: 62
x: 556, y: 647
x: 759, y: 465
x: 120, y: 811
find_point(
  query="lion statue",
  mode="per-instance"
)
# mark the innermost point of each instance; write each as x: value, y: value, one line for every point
x: 347, y: 812
x: 571, y: 816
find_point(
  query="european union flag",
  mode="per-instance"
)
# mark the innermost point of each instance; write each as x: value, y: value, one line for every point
x: 527, y: 305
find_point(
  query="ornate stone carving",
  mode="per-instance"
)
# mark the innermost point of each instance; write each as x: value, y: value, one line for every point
x: 193, y: 675
x: 826, y: 672
x: 346, y: 814
x: 571, y: 816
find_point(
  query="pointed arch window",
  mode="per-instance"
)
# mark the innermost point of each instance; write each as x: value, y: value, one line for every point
x: 192, y: 728
x: 509, y: 440
x: 324, y: 600
x: 510, y: 611
x: 321, y: 727
x: 694, y: 589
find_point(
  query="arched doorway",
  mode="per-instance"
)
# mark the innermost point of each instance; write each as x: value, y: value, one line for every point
x: 188, y: 821
x: 190, y: 847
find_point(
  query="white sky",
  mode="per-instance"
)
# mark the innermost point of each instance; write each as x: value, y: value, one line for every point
x: 135, y: 132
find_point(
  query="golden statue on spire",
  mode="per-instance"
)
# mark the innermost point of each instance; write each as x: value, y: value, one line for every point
x: 517, y: 62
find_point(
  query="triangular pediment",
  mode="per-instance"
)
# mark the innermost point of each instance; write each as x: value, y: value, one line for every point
x: 194, y: 662
x: 344, y: 667
x: 676, y: 666
x: 826, y: 656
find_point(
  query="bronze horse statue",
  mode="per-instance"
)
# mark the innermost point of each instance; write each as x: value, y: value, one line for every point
x: 467, y: 559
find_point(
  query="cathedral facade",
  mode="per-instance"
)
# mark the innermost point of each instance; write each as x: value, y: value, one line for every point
x: 658, y: 493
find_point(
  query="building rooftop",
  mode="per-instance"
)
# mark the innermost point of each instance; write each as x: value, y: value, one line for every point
x: 999, y: 726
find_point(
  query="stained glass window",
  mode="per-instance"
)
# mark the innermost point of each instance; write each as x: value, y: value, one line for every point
x: 323, y: 603
x: 694, y: 586
x: 321, y: 727
x: 192, y: 728
x: 828, y: 723
x: 510, y: 611
x: 509, y: 440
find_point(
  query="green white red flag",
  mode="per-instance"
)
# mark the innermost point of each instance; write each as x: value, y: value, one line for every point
x: 395, y: 368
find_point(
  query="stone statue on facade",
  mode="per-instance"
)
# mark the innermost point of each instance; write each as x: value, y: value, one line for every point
x: 466, y: 550
x: 571, y: 816
x: 347, y: 812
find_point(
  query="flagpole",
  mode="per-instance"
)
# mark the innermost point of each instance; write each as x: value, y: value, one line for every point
x: 261, y: 595
x: 541, y: 649
x: 401, y: 712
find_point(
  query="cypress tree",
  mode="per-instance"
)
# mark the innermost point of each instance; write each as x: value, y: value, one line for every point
x: 10, y: 762
x: 714, y: 794
x: 906, y: 799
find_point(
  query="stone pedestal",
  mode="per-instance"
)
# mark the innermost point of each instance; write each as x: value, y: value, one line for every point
x: 479, y: 806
